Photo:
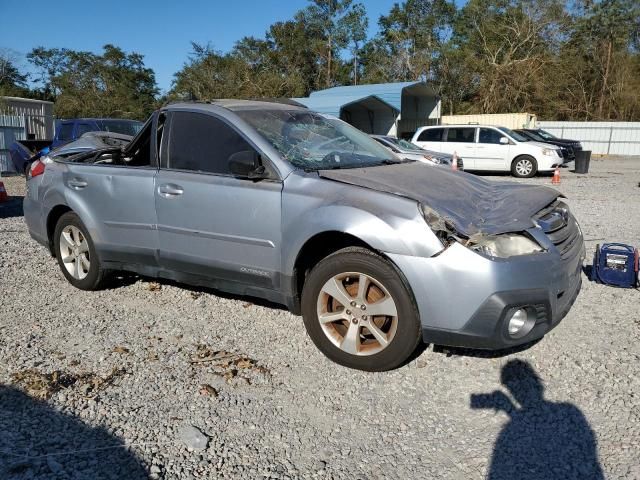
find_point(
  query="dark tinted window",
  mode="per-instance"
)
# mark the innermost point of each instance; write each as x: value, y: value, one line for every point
x: 202, y: 143
x: 489, y: 135
x: 464, y: 135
x: 83, y: 128
x: 66, y: 131
x: 431, y: 135
x: 126, y: 127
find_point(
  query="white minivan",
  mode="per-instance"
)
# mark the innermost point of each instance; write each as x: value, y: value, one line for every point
x: 485, y: 147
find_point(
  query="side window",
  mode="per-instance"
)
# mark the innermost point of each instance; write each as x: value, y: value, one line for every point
x: 202, y: 143
x: 431, y: 135
x: 83, y: 128
x: 66, y: 131
x: 489, y: 135
x: 461, y: 135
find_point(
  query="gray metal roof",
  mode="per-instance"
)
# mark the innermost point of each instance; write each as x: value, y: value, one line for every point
x: 331, y: 100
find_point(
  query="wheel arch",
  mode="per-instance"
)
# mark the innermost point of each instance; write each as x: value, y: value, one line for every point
x: 320, y: 246
x: 52, y: 220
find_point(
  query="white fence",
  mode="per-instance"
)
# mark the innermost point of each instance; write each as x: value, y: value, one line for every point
x: 604, y: 138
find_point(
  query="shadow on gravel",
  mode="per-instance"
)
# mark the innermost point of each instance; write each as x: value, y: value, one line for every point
x: 12, y: 207
x: 543, y: 440
x: 38, y: 442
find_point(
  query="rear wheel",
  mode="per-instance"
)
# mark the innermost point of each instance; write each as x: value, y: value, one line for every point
x: 359, y: 312
x: 524, y: 166
x: 76, y: 254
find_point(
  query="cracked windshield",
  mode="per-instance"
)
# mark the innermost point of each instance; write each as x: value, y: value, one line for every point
x: 313, y: 141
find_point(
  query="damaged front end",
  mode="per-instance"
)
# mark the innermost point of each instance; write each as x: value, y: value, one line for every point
x: 502, y: 245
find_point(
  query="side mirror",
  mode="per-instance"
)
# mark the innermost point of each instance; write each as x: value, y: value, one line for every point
x: 246, y: 164
x: 504, y: 141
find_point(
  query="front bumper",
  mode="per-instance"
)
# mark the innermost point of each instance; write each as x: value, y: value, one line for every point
x: 465, y: 299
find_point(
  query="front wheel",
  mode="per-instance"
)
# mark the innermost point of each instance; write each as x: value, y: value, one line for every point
x: 359, y: 312
x: 524, y: 167
x: 76, y: 254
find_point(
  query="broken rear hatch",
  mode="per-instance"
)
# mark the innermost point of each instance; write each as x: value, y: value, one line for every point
x: 469, y: 203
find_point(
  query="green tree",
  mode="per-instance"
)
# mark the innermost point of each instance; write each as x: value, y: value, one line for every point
x: 84, y: 84
x: 356, y: 24
x: 335, y: 23
x: 411, y: 38
x: 601, y: 80
x: 509, y: 46
x: 12, y: 81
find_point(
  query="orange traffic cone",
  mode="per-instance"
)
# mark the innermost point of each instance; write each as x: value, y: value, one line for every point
x: 556, y: 177
x: 3, y: 193
x: 454, y: 161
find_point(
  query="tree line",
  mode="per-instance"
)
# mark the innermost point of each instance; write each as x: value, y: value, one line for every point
x: 577, y: 60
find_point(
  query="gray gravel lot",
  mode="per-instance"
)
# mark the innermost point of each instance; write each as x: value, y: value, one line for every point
x: 149, y: 380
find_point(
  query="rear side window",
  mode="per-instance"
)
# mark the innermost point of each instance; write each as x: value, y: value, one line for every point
x: 202, y: 143
x: 431, y: 135
x: 461, y: 135
x: 489, y: 135
x: 66, y: 131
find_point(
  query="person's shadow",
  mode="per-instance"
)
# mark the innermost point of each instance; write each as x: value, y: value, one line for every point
x: 39, y: 442
x: 543, y: 440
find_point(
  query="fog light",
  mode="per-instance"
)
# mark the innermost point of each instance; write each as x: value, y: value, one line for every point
x: 517, y: 321
x: 520, y: 323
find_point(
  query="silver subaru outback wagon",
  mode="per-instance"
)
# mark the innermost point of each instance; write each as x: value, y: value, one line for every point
x: 276, y: 201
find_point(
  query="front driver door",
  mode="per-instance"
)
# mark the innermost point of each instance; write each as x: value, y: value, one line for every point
x: 492, y: 153
x: 211, y: 223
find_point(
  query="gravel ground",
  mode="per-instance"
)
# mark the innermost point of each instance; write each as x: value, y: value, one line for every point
x: 150, y: 380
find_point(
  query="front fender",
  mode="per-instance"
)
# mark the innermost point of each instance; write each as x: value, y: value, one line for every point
x: 388, y: 223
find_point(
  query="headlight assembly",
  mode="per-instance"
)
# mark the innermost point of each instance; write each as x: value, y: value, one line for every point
x: 551, y: 152
x: 503, y: 246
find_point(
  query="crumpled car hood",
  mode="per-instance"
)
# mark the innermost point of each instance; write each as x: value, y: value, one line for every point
x: 469, y: 203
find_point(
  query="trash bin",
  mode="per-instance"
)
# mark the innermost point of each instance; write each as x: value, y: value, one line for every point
x: 583, y: 157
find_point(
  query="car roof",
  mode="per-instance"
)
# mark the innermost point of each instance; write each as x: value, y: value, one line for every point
x: 460, y: 125
x: 233, y: 105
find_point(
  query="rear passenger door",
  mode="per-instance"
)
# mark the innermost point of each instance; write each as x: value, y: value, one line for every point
x: 491, y: 153
x: 211, y: 223
x: 117, y: 202
x: 461, y: 141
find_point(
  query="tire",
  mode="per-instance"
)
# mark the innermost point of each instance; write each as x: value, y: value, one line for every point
x: 79, y: 245
x: 348, y: 336
x: 524, y: 166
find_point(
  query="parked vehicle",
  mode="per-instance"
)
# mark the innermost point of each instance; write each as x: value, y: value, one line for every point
x: 23, y: 152
x: 539, y: 135
x: 409, y: 151
x: 279, y: 202
x: 485, y: 147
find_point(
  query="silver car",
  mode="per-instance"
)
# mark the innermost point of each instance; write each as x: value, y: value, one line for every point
x: 409, y: 151
x: 275, y: 201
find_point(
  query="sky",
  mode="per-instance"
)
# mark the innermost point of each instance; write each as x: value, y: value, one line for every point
x: 160, y: 30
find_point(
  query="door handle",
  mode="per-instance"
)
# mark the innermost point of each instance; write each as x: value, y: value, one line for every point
x: 170, y: 190
x: 77, y: 183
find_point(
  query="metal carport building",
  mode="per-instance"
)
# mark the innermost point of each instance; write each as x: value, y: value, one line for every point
x: 382, y: 108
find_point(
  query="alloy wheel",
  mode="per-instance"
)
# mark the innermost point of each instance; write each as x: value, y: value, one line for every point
x: 357, y: 313
x: 74, y: 252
